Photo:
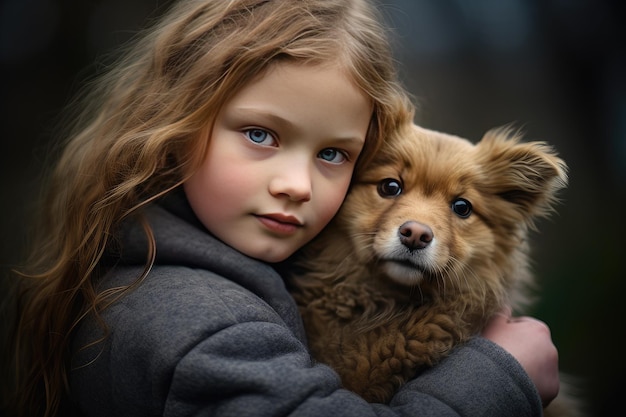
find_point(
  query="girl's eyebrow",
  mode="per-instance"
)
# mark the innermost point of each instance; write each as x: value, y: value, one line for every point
x: 273, y: 117
x: 288, y: 124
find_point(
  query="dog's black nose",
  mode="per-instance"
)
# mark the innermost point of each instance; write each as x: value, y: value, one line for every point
x: 415, y: 235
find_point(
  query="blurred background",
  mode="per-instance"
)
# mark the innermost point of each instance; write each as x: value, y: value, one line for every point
x: 556, y: 68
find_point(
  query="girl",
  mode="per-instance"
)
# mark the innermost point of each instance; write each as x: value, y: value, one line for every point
x: 220, y: 143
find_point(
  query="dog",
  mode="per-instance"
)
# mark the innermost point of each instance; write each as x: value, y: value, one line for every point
x: 431, y: 241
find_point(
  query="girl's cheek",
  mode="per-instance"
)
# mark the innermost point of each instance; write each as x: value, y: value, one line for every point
x: 331, y: 206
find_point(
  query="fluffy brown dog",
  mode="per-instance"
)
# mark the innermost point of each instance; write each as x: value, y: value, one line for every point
x: 430, y: 242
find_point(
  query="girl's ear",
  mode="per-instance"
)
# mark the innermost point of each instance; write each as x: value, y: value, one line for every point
x: 527, y: 175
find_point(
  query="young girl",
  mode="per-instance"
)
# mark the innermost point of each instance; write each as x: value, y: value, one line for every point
x: 220, y: 143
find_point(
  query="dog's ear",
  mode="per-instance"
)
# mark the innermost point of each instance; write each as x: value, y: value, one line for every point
x: 526, y: 175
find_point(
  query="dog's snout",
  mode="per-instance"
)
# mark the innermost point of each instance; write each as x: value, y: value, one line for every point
x: 415, y: 235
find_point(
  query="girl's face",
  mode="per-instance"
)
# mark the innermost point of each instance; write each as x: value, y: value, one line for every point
x: 280, y: 159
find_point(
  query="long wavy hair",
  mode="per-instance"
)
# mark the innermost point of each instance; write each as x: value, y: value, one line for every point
x: 139, y: 130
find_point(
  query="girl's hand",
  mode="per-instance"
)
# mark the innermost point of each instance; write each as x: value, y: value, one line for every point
x: 529, y: 341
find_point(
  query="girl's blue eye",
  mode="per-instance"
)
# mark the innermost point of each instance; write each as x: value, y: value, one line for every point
x: 259, y: 136
x: 332, y: 155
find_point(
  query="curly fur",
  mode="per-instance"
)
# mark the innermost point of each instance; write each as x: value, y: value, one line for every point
x: 396, y: 281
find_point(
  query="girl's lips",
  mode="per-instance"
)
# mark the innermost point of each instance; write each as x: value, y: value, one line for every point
x: 279, y: 223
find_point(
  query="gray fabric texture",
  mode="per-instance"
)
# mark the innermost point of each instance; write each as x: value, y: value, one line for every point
x: 211, y: 332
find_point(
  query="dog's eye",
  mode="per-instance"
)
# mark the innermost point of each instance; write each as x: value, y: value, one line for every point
x: 462, y: 208
x: 389, y: 187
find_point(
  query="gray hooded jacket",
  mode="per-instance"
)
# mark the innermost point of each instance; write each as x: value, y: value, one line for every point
x: 211, y: 332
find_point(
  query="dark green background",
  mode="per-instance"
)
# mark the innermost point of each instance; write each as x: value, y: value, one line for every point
x: 555, y: 68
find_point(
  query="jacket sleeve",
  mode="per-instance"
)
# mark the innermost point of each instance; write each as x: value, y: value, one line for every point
x: 200, y: 345
x: 269, y: 373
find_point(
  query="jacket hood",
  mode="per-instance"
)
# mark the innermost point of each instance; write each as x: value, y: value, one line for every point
x: 182, y: 240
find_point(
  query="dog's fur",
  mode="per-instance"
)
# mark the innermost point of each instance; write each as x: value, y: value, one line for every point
x: 396, y: 281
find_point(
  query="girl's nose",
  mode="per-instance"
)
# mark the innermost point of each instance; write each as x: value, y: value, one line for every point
x: 292, y: 181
